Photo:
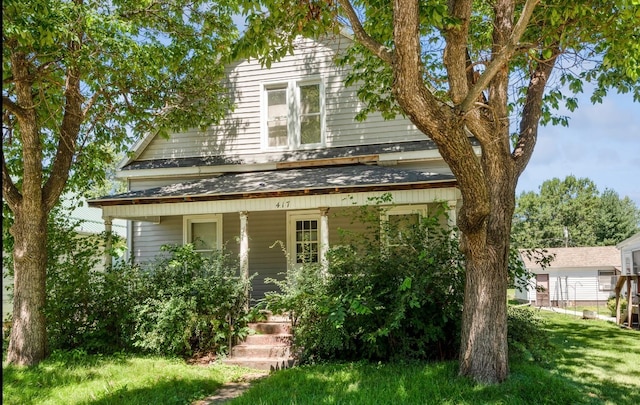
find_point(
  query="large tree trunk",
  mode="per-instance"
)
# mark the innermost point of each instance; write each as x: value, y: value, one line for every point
x: 484, y: 348
x: 28, y: 340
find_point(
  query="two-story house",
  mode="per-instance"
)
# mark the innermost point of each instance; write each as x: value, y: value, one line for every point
x: 288, y: 164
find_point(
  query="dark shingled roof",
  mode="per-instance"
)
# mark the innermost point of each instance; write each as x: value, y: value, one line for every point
x: 287, y: 156
x: 331, y: 178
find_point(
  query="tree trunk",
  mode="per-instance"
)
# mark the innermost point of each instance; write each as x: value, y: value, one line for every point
x: 28, y: 339
x: 484, y: 348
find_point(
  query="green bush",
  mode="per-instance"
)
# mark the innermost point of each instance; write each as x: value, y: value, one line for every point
x: 527, y: 336
x: 611, y: 305
x: 382, y: 298
x: 192, y: 303
x: 85, y: 307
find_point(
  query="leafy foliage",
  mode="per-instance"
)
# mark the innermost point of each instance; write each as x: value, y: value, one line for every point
x: 87, y: 306
x: 182, y: 304
x: 191, y: 303
x: 527, y: 336
x: 574, y: 204
x: 611, y: 305
x: 383, y: 297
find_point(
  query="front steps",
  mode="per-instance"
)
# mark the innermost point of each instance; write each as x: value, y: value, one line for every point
x: 267, y: 347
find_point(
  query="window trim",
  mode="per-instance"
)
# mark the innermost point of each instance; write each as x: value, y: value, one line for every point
x: 611, y: 274
x: 421, y: 209
x: 292, y: 87
x: 187, y: 220
x: 292, y: 218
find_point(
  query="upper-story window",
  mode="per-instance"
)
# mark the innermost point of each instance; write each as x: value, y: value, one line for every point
x: 293, y: 117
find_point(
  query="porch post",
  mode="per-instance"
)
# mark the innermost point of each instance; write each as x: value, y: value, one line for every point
x: 453, y: 220
x: 244, y: 250
x: 108, y: 243
x: 324, y: 238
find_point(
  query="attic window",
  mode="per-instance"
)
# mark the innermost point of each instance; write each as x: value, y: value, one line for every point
x: 293, y: 115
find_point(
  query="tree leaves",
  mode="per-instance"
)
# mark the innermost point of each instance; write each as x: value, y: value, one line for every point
x: 571, y: 212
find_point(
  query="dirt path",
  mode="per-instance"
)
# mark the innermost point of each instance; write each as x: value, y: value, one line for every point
x: 232, y: 389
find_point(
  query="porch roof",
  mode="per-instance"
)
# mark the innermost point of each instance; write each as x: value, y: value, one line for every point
x: 289, y: 182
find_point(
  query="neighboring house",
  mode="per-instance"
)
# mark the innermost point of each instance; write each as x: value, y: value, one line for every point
x: 91, y: 224
x: 577, y: 276
x: 290, y: 163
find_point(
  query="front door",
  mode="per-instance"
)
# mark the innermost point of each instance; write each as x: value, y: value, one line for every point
x: 304, y: 238
x: 542, y: 290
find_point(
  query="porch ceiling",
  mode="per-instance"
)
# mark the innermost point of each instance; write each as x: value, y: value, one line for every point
x: 290, y: 182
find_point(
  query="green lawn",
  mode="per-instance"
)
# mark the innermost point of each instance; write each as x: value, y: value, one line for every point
x: 595, y: 362
x: 67, y: 379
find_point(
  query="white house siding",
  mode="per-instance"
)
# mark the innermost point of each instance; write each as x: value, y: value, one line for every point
x: 569, y: 286
x: 576, y: 285
x: 240, y: 132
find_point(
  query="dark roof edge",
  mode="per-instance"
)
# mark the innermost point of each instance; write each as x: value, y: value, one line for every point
x: 268, y: 194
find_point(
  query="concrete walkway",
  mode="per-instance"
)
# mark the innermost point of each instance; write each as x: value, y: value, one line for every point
x: 578, y: 314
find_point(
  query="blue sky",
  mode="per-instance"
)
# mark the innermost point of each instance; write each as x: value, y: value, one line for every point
x: 601, y: 143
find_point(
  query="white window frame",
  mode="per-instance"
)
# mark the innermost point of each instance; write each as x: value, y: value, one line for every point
x: 292, y: 218
x: 611, y: 275
x: 421, y: 210
x: 293, y: 113
x: 187, y: 220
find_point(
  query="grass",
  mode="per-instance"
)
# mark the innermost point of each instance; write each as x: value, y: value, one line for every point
x: 75, y: 378
x: 594, y: 362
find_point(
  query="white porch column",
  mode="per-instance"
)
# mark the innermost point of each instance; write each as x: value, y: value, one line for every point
x: 453, y: 219
x: 108, y: 243
x: 324, y: 238
x: 244, y: 249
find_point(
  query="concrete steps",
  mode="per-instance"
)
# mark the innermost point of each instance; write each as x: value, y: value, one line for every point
x: 267, y: 347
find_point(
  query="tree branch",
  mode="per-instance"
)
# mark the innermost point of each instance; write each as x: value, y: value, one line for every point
x: 455, y: 53
x: 69, y: 129
x: 361, y: 35
x: 10, y: 192
x: 13, y: 107
x: 501, y: 58
x: 532, y: 111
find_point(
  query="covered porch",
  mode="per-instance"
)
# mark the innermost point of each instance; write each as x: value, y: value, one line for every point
x: 268, y: 219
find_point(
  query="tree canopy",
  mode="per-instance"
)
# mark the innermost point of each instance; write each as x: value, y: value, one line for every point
x: 572, y: 212
x: 83, y: 79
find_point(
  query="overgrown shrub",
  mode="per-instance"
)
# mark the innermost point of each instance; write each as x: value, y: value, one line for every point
x: 390, y: 294
x: 86, y: 307
x: 611, y: 305
x: 192, y: 303
x: 527, y: 336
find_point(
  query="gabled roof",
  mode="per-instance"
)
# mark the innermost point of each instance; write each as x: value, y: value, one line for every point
x: 579, y: 257
x: 305, y: 181
x: 632, y: 242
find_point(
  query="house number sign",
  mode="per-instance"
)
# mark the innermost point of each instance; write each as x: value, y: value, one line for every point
x: 283, y: 204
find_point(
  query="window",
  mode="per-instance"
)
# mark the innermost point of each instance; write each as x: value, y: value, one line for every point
x: 606, y: 280
x: 398, y: 223
x: 293, y: 117
x: 204, y: 231
x: 304, y: 237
